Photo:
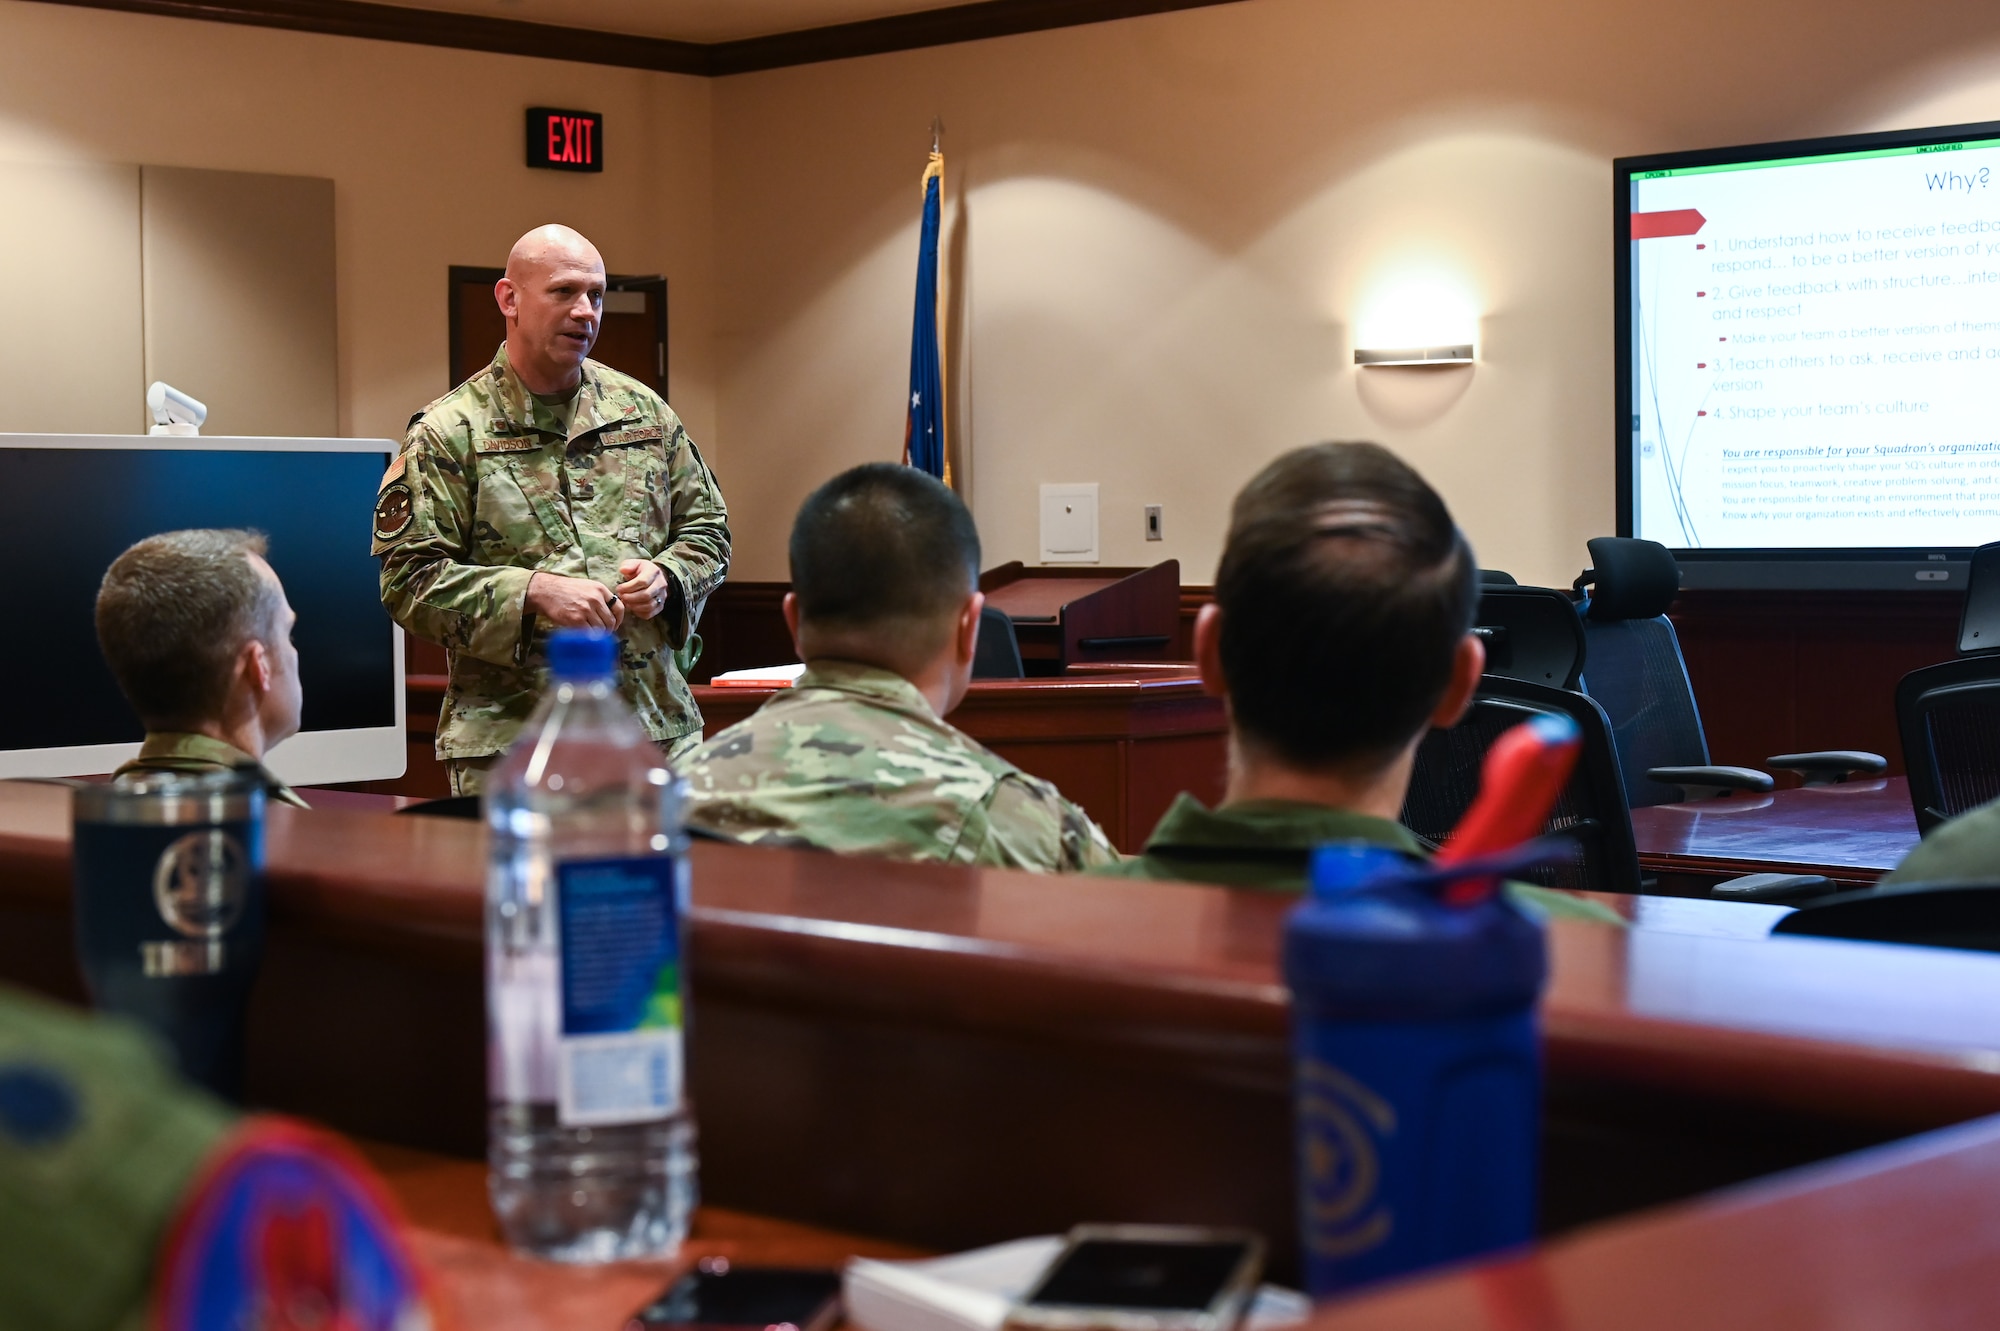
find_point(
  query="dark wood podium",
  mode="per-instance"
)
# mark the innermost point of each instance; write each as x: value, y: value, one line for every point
x: 1066, y: 616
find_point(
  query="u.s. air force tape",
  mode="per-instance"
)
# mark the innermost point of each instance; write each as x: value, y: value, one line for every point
x: 394, y: 511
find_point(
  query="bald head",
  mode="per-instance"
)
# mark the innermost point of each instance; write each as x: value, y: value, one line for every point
x: 548, y: 247
x: 553, y: 298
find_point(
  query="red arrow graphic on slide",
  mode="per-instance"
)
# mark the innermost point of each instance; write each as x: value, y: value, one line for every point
x: 1675, y: 222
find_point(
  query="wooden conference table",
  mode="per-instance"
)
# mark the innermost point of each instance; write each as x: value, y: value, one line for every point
x: 1906, y: 1235
x: 483, y: 1287
x: 1852, y: 833
x: 948, y: 1057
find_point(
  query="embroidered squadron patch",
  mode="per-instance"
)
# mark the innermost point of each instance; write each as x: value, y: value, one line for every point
x: 394, y: 512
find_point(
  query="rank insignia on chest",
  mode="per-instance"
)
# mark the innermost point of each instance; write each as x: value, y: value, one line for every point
x: 394, y: 510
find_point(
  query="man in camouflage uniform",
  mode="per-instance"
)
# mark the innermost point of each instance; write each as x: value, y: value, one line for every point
x: 856, y: 756
x: 1341, y: 632
x: 548, y: 491
x: 198, y: 633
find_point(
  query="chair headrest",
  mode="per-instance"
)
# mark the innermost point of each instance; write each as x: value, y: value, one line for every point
x: 1631, y: 579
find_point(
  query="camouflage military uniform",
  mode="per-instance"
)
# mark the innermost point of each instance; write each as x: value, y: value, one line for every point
x: 852, y: 758
x: 490, y: 488
x: 1268, y: 844
x: 168, y: 751
x: 1964, y: 849
x: 98, y: 1143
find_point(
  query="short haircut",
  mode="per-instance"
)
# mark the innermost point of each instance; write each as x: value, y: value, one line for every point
x: 172, y: 614
x: 886, y: 551
x: 1345, y: 588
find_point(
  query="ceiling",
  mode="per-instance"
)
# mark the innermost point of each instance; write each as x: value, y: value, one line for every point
x: 703, y: 21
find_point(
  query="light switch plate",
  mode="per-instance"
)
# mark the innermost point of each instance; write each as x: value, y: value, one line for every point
x: 1069, y: 524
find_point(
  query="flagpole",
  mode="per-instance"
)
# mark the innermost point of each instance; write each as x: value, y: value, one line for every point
x: 944, y: 373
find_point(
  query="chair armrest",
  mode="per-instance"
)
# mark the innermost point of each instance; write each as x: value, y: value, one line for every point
x: 1781, y: 887
x: 1830, y: 767
x: 1702, y: 782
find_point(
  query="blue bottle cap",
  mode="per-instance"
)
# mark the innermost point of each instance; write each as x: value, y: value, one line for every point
x: 577, y: 655
x: 1349, y: 866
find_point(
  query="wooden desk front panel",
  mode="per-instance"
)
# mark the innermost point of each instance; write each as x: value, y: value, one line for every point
x: 1787, y: 672
x: 951, y: 1056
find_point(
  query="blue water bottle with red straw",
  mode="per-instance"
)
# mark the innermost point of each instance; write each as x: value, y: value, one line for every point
x: 1417, y: 1068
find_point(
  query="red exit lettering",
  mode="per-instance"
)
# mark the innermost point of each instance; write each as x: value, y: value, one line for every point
x: 565, y: 140
x: 570, y: 140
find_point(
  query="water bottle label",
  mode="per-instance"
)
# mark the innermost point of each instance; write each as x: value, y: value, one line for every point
x: 620, y: 988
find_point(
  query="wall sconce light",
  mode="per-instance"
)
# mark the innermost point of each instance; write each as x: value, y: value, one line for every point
x: 1458, y: 353
x: 1419, y: 310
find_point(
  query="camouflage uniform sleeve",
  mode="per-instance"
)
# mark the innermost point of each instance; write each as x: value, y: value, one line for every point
x: 423, y: 531
x: 698, y: 557
x: 1031, y: 826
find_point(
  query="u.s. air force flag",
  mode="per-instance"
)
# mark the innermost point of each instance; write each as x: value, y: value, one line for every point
x: 923, y: 434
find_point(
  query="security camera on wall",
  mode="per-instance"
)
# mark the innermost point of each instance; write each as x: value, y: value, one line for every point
x: 174, y: 412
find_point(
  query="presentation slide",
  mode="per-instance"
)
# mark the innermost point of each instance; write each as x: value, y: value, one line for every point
x: 1816, y: 347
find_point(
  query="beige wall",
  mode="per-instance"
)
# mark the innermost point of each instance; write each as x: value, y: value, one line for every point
x: 424, y: 147
x: 1166, y: 235
x: 1169, y: 228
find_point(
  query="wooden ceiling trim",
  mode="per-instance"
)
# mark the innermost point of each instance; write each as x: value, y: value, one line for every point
x: 474, y: 32
x: 430, y: 27
x: 928, y: 27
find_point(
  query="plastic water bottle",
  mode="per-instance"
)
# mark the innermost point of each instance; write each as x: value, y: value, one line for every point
x: 1417, y: 1071
x: 591, y: 1143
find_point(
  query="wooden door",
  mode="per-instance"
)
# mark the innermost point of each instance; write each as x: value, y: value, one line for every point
x: 631, y: 339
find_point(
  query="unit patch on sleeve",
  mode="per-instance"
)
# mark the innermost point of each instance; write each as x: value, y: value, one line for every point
x: 394, y: 511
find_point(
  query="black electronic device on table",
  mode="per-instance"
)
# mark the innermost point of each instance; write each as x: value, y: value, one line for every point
x: 719, y: 1294
x: 1144, y: 1278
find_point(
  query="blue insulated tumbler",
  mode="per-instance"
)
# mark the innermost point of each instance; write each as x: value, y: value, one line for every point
x: 1417, y: 1077
x: 168, y: 874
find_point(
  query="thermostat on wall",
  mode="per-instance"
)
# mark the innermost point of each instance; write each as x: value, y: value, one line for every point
x: 1069, y: 524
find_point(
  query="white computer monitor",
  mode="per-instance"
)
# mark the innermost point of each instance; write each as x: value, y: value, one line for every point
x: 70, y: 503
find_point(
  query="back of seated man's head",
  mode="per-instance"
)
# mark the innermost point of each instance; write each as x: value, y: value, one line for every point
x: 1345, y: 591
x: 885, y: 561
x: 183, y: 615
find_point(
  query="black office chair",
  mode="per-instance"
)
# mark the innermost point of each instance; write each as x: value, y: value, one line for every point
x: 1635, y: 669
x: 1960, y: 915
x: 1948, y: 716
x: 1493, y: 577
x: 998, y: 653
x: 1531, y: 634
x: 1592, y: 809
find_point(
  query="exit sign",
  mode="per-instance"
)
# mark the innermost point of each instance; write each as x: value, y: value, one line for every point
x: 565, y: 140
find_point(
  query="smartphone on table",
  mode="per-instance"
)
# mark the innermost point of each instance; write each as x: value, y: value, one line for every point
x: 1144, y: 1278
x: 720, y: 1296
